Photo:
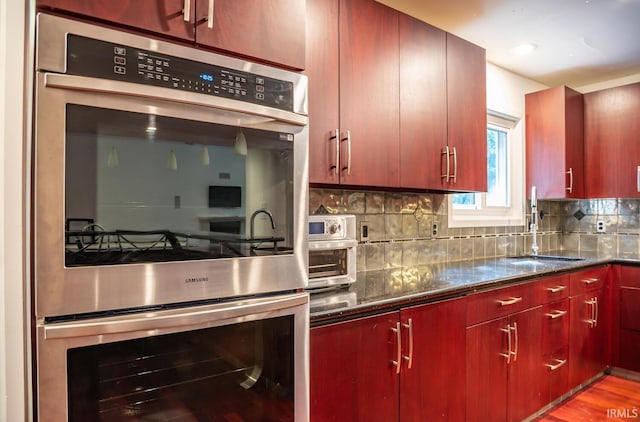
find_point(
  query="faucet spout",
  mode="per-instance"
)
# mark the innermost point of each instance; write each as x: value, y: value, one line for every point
x: 261, y: 211
x: 533, y: 226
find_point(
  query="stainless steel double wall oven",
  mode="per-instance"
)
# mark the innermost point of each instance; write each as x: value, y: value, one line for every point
x: 169, y: 231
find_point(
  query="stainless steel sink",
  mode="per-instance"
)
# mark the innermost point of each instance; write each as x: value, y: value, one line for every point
x: 541, y: 260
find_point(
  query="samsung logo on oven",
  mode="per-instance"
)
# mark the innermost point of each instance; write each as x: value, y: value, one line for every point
x: 196, y: 279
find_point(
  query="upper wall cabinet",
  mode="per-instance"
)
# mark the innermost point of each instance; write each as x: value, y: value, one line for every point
x: 423, y: 104
x: 467, y: 117
x: 241, y: 27
x: 393, y: 101
x: 612, y: 142
x: 352, y: 64
x: 554, y: 138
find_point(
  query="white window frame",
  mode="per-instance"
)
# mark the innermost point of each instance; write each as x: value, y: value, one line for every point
x: 512, y: 215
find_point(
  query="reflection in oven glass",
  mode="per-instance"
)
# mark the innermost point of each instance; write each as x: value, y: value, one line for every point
x: 150, y: 195
x: 241, y: 372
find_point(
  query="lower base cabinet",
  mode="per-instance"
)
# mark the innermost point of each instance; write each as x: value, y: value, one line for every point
x: 627, y: 293
x: 504, y: 375
x: 407, y: 365
x: 589, y: 326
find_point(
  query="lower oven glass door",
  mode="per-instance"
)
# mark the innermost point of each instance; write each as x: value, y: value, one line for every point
x: 239, y: 361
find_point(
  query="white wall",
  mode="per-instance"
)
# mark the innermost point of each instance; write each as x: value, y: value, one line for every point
x: 13, y: 315
x: 609, y: 84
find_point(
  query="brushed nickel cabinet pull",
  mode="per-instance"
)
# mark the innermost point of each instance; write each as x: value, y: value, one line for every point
x: 595, y: 318
x: 508, y: 354
x: 591, y: 302
x: 556, y: 289
x: 347, y: 139
x: 556, y: 314
x: 515, y: 331
x: 557, y: 365
x: 570, y: 173
x: 511, y: 301
x: 638, y: 179
x: 210, y: 14
x: 336, y: 158
x: 445, y: 152
x: 455, y: 165
x: 186, y: 10
x: 396, y: 363
x: 409, y: 358
x: 590, y: 280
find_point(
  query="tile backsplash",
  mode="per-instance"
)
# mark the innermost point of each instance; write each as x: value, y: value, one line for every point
x: 407, y: 229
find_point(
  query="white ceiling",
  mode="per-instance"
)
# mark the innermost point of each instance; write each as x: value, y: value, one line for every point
x: 579, y: 42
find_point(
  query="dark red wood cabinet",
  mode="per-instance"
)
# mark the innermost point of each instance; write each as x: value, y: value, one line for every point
x: 389, y: 95
x: 554, y: 142
x: 612, y: 150
x: 353, y: 69
x: 240, y: 27
x: 504, y: 364
x: 423, y: 104
x: 626, y: 318
x: 555, y: 337
x: 352, y: 377
x: 589, y: 325
x: 358, y: 372
x: 467, y: 116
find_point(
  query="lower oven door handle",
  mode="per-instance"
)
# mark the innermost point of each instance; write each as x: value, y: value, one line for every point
x: 83, y: 83
x: 236, y: 311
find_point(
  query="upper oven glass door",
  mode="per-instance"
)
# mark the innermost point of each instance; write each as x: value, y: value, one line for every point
x: 126, y: 179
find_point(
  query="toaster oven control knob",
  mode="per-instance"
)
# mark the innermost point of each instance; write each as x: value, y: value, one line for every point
x: 334, y: 228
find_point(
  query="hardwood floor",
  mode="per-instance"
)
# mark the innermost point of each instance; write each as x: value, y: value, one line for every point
x: 609, y: 399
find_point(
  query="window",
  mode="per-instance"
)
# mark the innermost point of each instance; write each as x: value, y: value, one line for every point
x: 502, y: 204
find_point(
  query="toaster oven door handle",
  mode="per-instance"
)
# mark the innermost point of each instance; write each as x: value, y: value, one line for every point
x: 205, y: 316
x: 326, y: 245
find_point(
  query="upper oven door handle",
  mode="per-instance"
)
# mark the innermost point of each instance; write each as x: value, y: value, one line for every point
x: 203, y: 316
x: 83, y: 83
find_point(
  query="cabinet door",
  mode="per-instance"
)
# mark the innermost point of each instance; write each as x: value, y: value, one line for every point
x: 271, y: 31
x: 630, y: 328
x: 423, y: 104
x: 487, y: 351
x: 526, y: 375
x: 587, y: 336
x: 467, y: 114
x: 352, y: 377
x: 432, y: 380
x: 323, y: 72
x: 612, y: 150
x: 554, y: 126
x: 369, y: 98
x: 166, y: 17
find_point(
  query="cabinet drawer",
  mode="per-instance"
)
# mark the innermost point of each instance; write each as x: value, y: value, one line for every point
x: 588, y: 280
x: 554, y: 288
x: 557, y: 365
x: 500, y: 302
x: 630, y: 308
x: 555, y: 325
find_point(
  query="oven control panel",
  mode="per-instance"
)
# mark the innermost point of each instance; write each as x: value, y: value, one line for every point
x: 332, y: 227
x: 106, y: 60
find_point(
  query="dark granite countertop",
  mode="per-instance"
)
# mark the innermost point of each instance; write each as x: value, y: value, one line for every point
x: 450, y: 279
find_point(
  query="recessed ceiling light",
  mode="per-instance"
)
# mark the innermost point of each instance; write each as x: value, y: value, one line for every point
x: 523, y: 49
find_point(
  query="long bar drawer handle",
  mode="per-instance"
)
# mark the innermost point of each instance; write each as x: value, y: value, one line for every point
x: 557, y: 365
x: 590, y: 280
x: 396, y: 363
x: 556, y: 289
x: 511, y: 301
x: 556, y: 314
x: 409, y: 358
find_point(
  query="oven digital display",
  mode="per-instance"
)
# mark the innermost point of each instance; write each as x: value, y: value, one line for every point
x: 316, y: 228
